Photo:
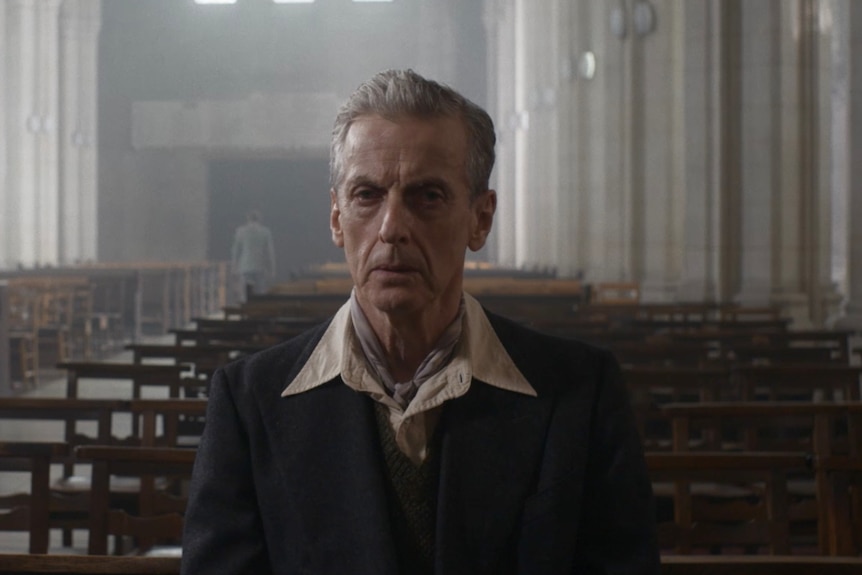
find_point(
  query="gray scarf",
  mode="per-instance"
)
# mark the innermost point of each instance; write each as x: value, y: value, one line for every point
x: 404, y: 392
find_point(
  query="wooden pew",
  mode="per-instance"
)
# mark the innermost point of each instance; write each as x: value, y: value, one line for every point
x: 666, y: 353
x: 725, y: 499
x: 842, y: 495
x: 652, y: 386
x: 201, y: 361
x: 17, y: 564
x: 180, y: 418
x: 140, y: 376
x: 159, y: 512
x: 802, y: 381
x: 759, y: 565
x: 69, y: 496
x: 30, y: 512
x: 817, y: 420
x: 804, y: 426
x: 5, y: 341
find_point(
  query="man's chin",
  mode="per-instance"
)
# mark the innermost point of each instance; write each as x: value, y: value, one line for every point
x: 397, y: 299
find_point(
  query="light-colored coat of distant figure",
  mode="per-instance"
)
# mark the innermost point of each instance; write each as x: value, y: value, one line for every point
x: 253, y: 255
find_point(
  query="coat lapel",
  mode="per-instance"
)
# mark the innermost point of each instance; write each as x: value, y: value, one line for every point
x: 491, y: 444
x: 326, y: 445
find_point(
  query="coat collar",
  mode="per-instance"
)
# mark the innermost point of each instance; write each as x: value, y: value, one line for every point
x: 338, y: 353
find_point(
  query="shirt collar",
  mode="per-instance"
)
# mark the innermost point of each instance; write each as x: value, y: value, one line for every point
x: 339, y: 353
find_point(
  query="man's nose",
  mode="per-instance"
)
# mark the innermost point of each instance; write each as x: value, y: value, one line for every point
x: 395, y: 227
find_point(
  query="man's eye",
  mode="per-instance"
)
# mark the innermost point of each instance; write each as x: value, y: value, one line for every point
x: 432, y: 196
x: 366, y: 194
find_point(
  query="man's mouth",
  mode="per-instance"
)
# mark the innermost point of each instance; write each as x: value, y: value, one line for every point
x: 396, y: 270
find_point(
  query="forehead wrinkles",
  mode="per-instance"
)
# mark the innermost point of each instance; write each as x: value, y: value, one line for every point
x: 378, y: 147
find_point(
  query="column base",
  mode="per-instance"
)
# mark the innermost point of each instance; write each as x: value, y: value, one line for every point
x: 696, y: 291
x: 794, y: 305
x: 849, y: 318
x: 658, y: 292
x: 754, y: 295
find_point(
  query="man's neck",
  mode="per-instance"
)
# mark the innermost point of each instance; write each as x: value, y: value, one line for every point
x: 407, y: 339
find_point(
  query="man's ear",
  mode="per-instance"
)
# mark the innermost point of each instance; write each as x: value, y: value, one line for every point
x: 335, y: 219
x: 483, y: 209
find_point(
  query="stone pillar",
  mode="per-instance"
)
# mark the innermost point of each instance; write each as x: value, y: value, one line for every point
x: 698, y: 84
x: 522, y: 202
x: 5, y: 363
x: 656, y: 200
x: 544, y: 137
x: 437, y: 45
x: 501, y: 41
x: 760, y: 149
x: 88, y: 126
x: 852, y: 313
x: 71, y: 138
x: 46, y: 109
x: 826, y: 298
x: 5, y: 261
x: 532, y: 192
x: 601, y: 161
x: 570, y: 191
x: 22, y: 126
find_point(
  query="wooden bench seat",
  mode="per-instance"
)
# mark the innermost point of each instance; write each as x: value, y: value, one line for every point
x: 751, y: 512
x: 842, y: 494
x: 816, y: 420
x: 759, y: 565
x: 17, y: 564
x: 138, y: 375
x: 30, y: 511
x: 652, y: 386
x: 808, y: 381
x: 159, y: 512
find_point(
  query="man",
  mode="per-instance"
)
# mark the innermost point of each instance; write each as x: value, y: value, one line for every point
x: 253, y: 255
x: 415, y: 432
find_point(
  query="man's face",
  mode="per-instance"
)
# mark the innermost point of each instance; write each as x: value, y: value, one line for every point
x: 402, y: 213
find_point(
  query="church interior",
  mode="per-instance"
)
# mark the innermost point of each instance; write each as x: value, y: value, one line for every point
x: 676, y: 182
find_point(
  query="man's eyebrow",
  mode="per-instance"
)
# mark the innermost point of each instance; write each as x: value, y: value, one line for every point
x: 429, y: 182
x: 361, y: 180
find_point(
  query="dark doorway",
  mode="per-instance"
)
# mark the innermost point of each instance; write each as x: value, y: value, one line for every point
x: 292, y: 197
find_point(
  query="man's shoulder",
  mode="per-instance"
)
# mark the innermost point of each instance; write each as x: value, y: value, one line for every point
x: 537, y: 352
x: 510, y: 330
x: 276, y: 365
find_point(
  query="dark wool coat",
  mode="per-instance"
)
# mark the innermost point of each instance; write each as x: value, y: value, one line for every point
x: 528, y: 485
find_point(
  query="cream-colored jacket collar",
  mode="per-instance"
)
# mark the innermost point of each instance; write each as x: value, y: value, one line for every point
x: 480, y: 355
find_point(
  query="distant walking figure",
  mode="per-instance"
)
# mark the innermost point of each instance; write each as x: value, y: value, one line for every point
x: 253, y: 256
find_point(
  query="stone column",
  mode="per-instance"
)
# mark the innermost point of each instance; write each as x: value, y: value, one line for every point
x: 22, y: 126
x: 601, y: 140
x: 569, y: 210
x: 543, y: 146
x: 852, y: 313
x: 5, y: 363
x: 5, y: 216
x: 658, y: 129
x: 46, y: 99
x: 437, y: 45
x: 522, y: 127
x: 88, y: 126
x: 698, y: 146
x: 760, y: 149
x: 71, y: 138
x: 501, y: 17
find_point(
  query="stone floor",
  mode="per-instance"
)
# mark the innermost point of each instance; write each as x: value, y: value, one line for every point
x: 53, y: 385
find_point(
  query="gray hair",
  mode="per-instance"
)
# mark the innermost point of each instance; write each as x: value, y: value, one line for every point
x: 395, y: 93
